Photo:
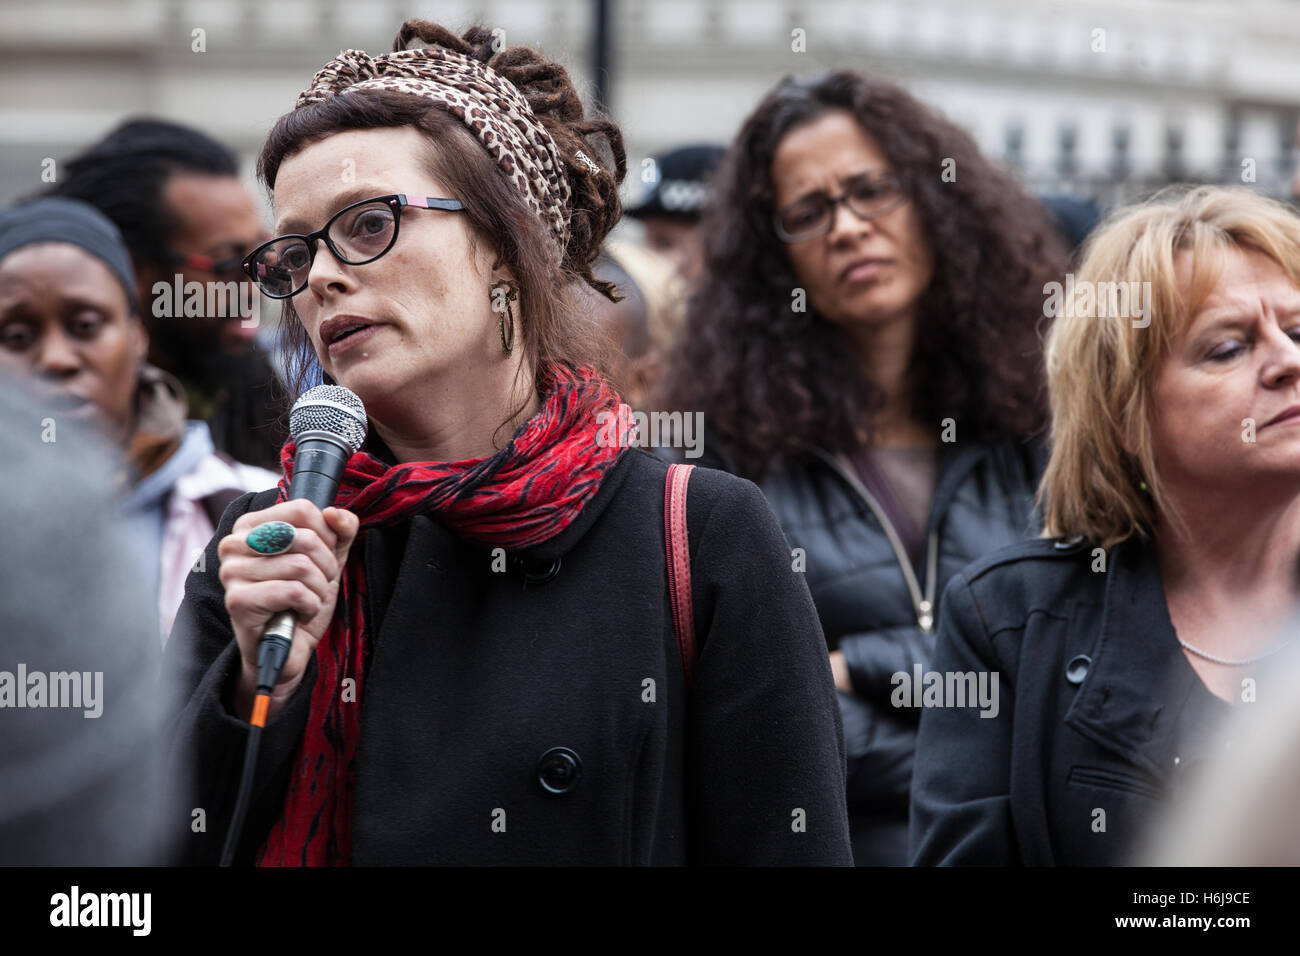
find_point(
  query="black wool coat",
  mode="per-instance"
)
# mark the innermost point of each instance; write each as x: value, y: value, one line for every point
x: 983, y: 501
x: 477, y: 675
x: 1101, y: 720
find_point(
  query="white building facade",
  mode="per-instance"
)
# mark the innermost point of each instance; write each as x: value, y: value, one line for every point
x: 1090, y: 96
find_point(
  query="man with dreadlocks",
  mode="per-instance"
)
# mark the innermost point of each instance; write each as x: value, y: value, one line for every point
x: 175, y: 195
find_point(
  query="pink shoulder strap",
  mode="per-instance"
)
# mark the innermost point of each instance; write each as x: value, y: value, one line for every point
x: 677, y: 548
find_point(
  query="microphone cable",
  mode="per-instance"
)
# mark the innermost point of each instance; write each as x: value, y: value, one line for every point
x: 272, y: 652
x: 328, y: 424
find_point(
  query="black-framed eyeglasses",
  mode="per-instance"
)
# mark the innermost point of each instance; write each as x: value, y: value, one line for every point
x: 356, y: 234
x: 867, y: 196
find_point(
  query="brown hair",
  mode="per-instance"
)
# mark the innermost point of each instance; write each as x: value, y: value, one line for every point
x: 1101, y: 363
x: 556, y: 329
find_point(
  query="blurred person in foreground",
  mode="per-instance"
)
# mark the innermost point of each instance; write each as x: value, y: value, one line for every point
x: 643, y: 324
x: 491, y: 581
x: 69, y: 318
x: 863, y: 344
x: 79, y: 718
x: 1152, y: 605
x: 677, y: 190
x: 1242, y: 809
x: 188, y: 220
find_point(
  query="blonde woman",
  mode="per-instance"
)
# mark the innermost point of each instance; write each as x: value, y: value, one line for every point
x: 1172, y: 506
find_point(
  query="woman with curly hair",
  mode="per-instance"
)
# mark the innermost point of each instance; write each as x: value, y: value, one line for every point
x: 864, y: 344
x: 490, y: 665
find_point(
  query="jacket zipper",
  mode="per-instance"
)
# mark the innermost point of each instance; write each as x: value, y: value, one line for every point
x: 922, y: 601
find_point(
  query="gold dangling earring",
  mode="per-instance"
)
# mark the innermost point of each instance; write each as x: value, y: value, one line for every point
x: 503, y: 293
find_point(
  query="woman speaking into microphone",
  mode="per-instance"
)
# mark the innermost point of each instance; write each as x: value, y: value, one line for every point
x: 486, y: 667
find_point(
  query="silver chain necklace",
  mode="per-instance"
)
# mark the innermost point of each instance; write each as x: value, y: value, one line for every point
x: 1231, y: 663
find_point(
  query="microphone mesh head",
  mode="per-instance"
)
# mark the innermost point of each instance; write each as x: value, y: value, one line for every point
x: 330, y: 408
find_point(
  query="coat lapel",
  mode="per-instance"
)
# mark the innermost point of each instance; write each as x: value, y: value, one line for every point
x: 382, y: 550
x: 1137, y: 683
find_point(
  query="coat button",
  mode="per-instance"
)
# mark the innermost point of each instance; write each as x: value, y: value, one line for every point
x: 1065, y: 544
x: 537, y: 573
x: 559, y: 770
x: 1077, y: 669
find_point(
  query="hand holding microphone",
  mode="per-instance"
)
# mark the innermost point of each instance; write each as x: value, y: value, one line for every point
x: 282, y: 580
x: 304, y: 579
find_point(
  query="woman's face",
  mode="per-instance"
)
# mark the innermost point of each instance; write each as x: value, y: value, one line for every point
x: 428, y: 297
x: 64, y: 317
x: 863, y: 272
x: 1227, y: 396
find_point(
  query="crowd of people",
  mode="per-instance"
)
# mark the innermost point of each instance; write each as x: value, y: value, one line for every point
x: 995, y: 525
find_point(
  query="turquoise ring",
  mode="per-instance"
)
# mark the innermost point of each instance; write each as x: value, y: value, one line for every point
x: 271, y: 537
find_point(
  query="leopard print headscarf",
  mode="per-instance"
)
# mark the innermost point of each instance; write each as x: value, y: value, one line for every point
x: 489, y: 104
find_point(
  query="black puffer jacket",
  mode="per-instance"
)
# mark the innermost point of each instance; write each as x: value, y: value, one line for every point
x: 873, y: 607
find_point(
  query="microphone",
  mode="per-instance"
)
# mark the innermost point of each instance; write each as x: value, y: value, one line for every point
x: 328, y: 424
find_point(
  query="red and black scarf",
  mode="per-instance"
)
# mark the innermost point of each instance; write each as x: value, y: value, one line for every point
x: 524, y: 494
